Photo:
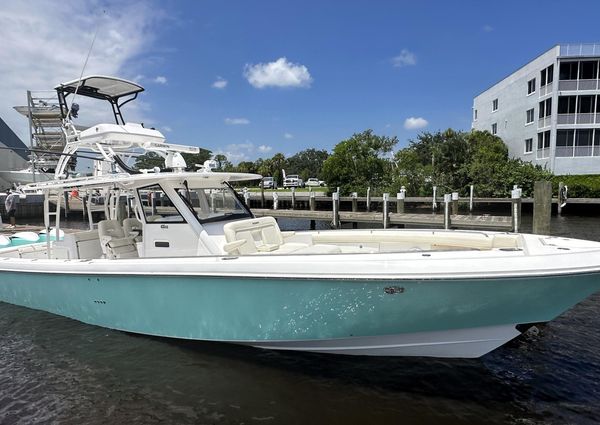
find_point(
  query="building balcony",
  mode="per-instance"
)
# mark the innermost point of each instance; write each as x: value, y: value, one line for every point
x: 544, y: 122
x: 572, y: 119
x: 578, y: 85
x: 542, y: 153
x: 577, y: 151
x: 579, y: 49
x: 545, y: 90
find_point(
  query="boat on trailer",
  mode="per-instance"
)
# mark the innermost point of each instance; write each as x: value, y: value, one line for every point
x: 180, y: 255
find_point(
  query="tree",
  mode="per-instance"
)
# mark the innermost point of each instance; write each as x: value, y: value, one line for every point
x: 359, y: 162
x: 307, y: 163
x: 453, y: 160
x: 223, y: 163
x: 193, y: 159
x: 149, y: 160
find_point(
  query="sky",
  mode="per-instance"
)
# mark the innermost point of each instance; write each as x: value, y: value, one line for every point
x: 249, y: 79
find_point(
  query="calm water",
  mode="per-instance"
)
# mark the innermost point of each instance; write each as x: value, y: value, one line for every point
x: 56, y: 370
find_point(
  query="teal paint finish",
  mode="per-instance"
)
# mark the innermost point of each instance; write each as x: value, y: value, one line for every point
x: 237, y: 309
x: 21, y: 242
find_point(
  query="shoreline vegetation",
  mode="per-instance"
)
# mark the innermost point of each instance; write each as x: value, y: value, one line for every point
x: 451, y: 160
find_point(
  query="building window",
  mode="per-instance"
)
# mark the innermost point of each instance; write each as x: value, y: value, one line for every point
x: 545, y: 108
x: 585, y: 105
x: 564, y: 142
x: 494, y: 105
x: 528, y: 145
x: 495, y: 128
x: 543, y: 140
x: 589, y: 70
x: 569, y: 70
x: 475, y: 115
x: 547, y: 76
x: 530, y: 116
x: 566, y: 104
x: 531, y: 86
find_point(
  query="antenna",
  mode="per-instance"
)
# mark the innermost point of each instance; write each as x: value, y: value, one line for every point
x: 84, y: 66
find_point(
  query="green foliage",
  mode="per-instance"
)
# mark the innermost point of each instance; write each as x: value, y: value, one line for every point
x: 307, y: 163
x: 358, y: 162
x: 454, y: 160
x: 149, y: 160
x: 193, y: 159
x: 580, y: 186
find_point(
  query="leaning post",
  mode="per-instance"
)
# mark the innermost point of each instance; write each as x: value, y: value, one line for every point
x: 275, y: 200
x: 262, y: 194
x: 293, y: 197
x: 433, y: 203
x: 542, y: 207
x: 368, y: 198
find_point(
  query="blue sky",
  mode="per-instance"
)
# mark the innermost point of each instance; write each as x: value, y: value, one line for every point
x: 291, y: 75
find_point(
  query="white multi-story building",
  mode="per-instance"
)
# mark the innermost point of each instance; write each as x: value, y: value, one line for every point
x: 548, y: 111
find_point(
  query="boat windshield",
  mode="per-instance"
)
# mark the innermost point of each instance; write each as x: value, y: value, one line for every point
x: 214, y: 204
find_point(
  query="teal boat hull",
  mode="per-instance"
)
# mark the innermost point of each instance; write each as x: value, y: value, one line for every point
x: 287, y: 313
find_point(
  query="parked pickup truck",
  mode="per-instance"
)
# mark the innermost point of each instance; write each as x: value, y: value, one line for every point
x: 293, y: 180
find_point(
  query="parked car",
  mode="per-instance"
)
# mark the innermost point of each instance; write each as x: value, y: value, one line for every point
x: 312, y: 182
x: 269, y: 183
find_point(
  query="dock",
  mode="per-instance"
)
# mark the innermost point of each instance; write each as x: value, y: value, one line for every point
x: 398, y: 219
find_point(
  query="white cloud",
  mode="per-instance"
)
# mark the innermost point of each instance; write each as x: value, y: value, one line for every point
x: 280, y: 73
x: 167, y: 128
x: 220, y: 83
x: 405, y: 58
x: 160, y: 79
x: 236, y: 121
x: 288, y: 135
x: 36, y: 56
x: 487, y: 28
x: 265, y: 148
x: 237, y: 152
x: 414, y: 123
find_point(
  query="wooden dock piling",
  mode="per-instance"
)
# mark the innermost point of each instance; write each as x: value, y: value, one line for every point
x: 542, y: 207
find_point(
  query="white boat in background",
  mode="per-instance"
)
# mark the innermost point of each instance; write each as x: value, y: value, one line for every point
x: 185, y: 258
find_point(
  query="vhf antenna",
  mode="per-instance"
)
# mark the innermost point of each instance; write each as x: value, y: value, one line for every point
x: 84, y: 66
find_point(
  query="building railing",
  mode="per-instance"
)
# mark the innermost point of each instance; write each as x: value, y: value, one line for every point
x: 579, y: 118
x: 572, y: 85
x: 544, y: 122
x: 577, y: 151
x: 579, y: 49
x: 547, y: 89
x: 542, y: 153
